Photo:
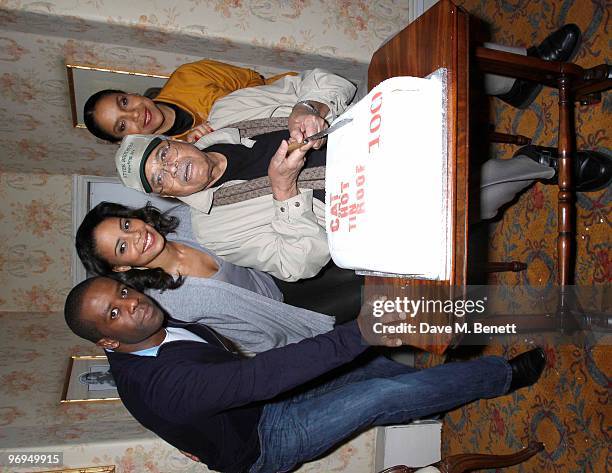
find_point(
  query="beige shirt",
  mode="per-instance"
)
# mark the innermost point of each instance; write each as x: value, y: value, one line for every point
x: 284, y: 238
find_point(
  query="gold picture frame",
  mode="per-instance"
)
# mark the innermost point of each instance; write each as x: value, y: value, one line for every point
x: 88, y: 469
x: 84, y: 81
x: 88, y: 379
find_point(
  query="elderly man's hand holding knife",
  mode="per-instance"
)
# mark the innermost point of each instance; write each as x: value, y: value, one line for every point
x: 320, y: 135
x: 288, y: 161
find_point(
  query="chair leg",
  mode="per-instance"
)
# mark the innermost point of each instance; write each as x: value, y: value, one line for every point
x: 476, y: 461
x: 497, y: 137
x: 565, y: 199
x: 500, y: 267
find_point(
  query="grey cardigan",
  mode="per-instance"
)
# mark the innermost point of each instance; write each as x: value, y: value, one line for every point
x: 230, y: 305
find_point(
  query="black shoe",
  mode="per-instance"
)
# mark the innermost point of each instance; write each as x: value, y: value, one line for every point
x: 560, y: 45
x: 592, y: 170
x: 527, y: 368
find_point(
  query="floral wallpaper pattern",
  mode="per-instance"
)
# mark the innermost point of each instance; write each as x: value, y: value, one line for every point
x: 35, y: 241
x: 189, y: 26
x: 35, y: 347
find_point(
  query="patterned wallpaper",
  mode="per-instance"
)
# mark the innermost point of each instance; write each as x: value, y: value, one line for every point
x: 345, y: 30
x: 35, y: 241
x: 34, y: 351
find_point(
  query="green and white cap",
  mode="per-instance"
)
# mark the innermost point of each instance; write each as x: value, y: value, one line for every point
x: 131, y: 158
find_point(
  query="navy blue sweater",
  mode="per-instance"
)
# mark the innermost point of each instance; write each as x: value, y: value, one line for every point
x: 207, y: 401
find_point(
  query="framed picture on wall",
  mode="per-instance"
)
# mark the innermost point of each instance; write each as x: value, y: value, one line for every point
x: 84, y: 81
x: 89, y: 379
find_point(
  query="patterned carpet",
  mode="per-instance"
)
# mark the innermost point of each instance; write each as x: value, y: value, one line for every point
x: 568, y: 409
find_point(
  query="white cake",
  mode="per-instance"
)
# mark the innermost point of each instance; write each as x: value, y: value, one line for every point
x: 386, y: 181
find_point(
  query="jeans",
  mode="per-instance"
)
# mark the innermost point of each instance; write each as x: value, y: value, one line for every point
x: 307, y: 424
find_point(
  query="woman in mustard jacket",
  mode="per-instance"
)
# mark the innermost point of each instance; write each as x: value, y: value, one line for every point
x: 182, y: 105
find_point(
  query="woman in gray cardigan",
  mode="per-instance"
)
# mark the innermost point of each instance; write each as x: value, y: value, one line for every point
x: 155, y: 252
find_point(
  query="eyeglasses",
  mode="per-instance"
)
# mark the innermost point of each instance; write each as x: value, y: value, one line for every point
x: 163, y: 184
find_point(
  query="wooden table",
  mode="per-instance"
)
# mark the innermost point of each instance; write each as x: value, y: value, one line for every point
x: 438, y: 39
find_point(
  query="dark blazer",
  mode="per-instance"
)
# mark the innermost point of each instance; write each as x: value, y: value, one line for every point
x: 207, y: 401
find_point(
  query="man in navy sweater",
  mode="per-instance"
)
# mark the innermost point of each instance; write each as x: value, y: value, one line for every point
x: 280, y: 408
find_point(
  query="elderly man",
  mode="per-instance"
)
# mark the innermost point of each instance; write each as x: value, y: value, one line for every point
x: 280, y: 408
x: 281, y: 232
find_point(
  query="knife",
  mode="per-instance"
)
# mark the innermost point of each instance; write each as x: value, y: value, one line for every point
x: 317, y: 136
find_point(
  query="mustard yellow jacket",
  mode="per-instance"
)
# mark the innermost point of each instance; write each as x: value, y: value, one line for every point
x: 196, y: 86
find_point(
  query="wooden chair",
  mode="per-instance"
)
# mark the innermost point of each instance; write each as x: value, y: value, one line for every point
x: 574, y: 84
x: 497, y: 137
x: 500, y: 267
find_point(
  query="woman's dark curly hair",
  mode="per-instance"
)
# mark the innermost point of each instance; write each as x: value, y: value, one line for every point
x: 139, y: 279
x: 89, y: 119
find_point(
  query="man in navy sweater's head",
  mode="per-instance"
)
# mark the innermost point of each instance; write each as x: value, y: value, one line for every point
x: 280, y: 408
